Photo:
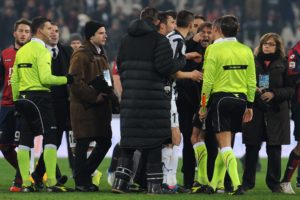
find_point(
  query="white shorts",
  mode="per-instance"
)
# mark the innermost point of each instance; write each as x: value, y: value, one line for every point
x: 174, y: 115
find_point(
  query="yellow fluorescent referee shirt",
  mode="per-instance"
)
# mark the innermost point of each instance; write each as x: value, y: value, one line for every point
x: 229, y: 67
x: 32, y: 69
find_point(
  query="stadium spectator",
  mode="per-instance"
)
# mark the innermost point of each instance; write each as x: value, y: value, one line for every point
x: 68, y: 12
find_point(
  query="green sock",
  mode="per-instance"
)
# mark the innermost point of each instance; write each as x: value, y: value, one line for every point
x: 50, y: 159
x: 24, y: 164
x: 231, y: 165
x: 219, y: 173
x: 201, y: 159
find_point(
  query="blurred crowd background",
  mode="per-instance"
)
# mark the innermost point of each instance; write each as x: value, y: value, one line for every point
x: 256, y: 16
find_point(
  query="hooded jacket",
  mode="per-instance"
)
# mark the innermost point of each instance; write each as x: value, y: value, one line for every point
x: 144, y: 63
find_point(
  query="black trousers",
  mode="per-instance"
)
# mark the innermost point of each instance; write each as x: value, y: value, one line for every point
x: 114, y: 159
x: 152, y: 159
x: 84, y: 167
x: 273, y: 169
x: 212, y: 152
x: 188, y: 156
x: 71, y: 156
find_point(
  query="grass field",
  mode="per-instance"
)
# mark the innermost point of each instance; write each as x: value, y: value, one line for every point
x: 260, y: 192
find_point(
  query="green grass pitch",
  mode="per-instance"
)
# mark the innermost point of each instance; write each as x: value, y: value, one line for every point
x: 260, y: 192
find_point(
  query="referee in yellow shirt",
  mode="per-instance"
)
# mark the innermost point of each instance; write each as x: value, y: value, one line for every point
x: 229, y: 86
x: 31, y: 80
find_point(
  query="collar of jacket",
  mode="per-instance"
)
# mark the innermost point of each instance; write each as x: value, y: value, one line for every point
x: 92, y: 47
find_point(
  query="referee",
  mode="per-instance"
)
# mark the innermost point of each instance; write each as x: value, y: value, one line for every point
x: 30, y: 82
x: 229, y: 85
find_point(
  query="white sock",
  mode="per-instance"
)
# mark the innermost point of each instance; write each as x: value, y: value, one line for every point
x: 166, y: 156
x: 95, y: 172
x: 171, y: 179
x: 88, y: 153
x: 198, y: 144
x: 224, y: 149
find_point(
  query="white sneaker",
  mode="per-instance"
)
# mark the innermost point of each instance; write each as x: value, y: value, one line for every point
x: 110, y: 178
x: 287, y: 188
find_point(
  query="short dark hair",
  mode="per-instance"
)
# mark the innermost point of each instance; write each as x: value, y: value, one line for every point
x: 200, y: 17
x: 184, y: 18
x: 163, y: 15
x: 38, y: 22
x: 229, y: 25
x: 22, y: 21
x: 54, y: 23
x: 204, y: 25
x: 171, y: 13
x: 150, y: 14
x: 217, y: 23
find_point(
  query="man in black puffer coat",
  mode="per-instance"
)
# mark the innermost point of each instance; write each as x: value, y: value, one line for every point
x: 145, y: 61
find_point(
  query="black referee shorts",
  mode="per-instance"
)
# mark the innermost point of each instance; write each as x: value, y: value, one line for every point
x: 37, y: 117
x: 227, y: 111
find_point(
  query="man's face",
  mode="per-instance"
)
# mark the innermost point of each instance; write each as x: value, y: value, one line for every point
x: 75, y: 44
x: 54, y: 35
x: 205, y: 36
x: 197, y: 23
x: 99, y: 38
x: 171, y: 25
x: 45, y: 32
x: 22, y: 34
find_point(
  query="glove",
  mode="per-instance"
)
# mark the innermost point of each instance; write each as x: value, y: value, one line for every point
x: 70, y: 78
x: 99, y: 84
x: 261, y: 104
x: 101, y: 97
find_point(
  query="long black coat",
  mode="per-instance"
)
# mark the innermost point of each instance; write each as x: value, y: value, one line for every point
x: 272, y: 125
x: 144, y: 62
x: 60, y: 67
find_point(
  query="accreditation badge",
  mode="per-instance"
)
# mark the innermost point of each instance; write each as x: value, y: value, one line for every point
x: 264, y: 81
x: 107, y: 77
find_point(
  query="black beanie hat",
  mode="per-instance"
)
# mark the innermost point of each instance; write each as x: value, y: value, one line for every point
x: 91, y: 28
